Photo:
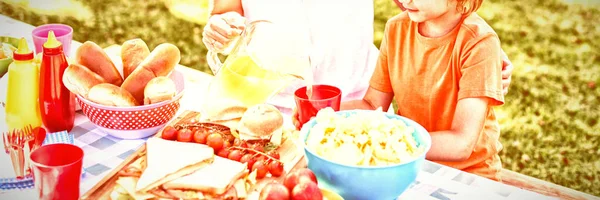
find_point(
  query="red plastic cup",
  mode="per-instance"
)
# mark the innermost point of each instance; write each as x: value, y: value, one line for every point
x: 57, y: 171
x: 323, y: 96
x: 63, y: 33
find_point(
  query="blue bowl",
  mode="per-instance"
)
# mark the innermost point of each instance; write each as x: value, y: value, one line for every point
x: 367, y: 182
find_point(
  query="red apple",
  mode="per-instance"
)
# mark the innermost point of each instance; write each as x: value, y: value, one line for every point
x: 308, y: 173
x: 306, y: 190
x: 274, y: 191
x: 292, y: 178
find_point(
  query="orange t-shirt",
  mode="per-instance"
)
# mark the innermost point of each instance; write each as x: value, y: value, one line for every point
x: 428, y: 76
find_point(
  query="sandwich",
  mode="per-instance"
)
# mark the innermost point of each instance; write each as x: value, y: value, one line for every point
x: 214, y: 180
x: 128, y: 185
x: 261, y: 122
x: 168, y: 160
x: 211, y: 181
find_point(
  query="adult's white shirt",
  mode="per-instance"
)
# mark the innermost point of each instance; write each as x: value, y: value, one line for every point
x: 338, y: 34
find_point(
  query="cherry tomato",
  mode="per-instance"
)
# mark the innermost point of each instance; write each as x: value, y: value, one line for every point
x: 224, y: 153
x: 274, y: 154
x: 237, y: 142
x: 169, y: 133
x: 260, y: 158
x: 235, y: 155
x: 200, y: 136
x: 215, y: 140
x: 276, y: 168
x: 184, y: 135
x: 229, y: 137
x: 244, y: 145
x: 259, y: 148
x: 245, y: 158
x: 261, y: 169
x: 226, y: 144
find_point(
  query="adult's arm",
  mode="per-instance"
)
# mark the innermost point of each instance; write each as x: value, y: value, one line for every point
x: 223, y: 6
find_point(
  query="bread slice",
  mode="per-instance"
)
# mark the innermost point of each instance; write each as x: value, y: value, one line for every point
x: 129, y: 183
x: 168, y: 160
x: 214, y: 179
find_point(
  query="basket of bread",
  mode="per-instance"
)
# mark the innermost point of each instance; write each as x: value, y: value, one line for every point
x: 134, y: 104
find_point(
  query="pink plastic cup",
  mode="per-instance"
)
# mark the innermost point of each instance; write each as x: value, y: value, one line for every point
x: 323, y: 96
x: 63, y: 33
x: 57, y: 171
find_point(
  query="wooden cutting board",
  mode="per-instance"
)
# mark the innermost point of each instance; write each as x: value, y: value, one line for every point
x: 291, y: 156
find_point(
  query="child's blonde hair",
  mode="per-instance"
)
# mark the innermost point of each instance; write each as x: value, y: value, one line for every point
x: 468, y: 6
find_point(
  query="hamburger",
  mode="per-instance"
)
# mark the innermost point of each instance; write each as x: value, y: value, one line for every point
x: 261, y: 122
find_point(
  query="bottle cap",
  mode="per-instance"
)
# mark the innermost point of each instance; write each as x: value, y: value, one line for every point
x: 52, y: 41
x: 23, y: 52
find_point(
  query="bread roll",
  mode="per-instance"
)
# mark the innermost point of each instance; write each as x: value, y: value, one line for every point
x: 160, y: 62
x: 159, y: 89
x: 92, y: 56
x: 261, y: 121
x: 79, y: 79
x: 133, y: 52
x: 111, y: 95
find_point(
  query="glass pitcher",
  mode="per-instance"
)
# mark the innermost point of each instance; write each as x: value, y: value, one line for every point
x: 262, y: 62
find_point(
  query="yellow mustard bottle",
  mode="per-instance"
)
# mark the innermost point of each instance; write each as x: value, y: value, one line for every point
x: 22, y: 108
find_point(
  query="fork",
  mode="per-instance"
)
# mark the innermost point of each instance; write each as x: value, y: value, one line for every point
x: 28, y: 138
x: 6, y: 140
x: 16, y: 143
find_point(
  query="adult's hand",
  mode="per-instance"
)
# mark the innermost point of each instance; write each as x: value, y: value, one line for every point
x: 221, y: 29
x: 507, y: 69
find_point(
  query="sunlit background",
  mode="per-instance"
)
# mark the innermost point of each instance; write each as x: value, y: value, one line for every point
x: 550, y: 122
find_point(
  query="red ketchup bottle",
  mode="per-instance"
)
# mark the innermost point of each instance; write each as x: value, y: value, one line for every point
x: 57, y: 103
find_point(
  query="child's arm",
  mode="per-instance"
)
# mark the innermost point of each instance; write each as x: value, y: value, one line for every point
x: 457, y: 143
x: 373, y: 99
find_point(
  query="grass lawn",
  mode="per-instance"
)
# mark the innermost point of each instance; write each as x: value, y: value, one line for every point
x: 550, y: 122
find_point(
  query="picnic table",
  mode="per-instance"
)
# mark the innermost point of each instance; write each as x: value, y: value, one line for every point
x: 103, y: 152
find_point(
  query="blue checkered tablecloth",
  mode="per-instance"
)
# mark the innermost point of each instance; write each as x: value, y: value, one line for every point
x: 102, y: 153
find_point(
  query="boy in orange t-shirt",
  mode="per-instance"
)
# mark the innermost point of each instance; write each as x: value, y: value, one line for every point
x: 442, y: 64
